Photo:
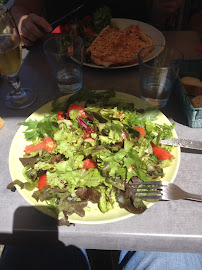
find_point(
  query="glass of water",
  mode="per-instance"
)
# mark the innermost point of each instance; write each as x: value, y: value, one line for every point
x: 158, y: 73
x: 65, y: 56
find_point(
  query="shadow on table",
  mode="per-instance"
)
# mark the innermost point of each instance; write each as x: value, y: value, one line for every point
x: 173, y: 110
x: 31, y: 227
x: 35, y: 236
x: 34, y: 242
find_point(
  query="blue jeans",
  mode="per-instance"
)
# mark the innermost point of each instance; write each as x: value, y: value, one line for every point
x: 145, y: 260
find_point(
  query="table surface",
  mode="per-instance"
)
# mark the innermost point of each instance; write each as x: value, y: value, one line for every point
x: 166, y: 226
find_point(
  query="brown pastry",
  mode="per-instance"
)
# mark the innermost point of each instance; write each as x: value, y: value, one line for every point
x: 192, y: 85
x: 197, y: 102
x: 1, y: 123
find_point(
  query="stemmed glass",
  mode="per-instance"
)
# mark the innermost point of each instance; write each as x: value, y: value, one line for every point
x: 10, y: 61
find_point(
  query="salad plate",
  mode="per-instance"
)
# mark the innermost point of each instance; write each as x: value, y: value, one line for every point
x: 157, y: 38
x: 93, y: 215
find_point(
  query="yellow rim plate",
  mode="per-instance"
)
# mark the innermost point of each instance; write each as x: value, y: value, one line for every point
x: 94, y: 216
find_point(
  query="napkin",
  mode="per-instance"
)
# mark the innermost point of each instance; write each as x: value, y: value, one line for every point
x: 58, y: 30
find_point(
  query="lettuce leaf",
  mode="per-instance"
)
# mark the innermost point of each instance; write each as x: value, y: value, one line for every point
x: 37, y: 129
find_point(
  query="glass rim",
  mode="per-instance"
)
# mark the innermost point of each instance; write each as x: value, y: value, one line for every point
x: 162, y: 67
x: 62, y: 34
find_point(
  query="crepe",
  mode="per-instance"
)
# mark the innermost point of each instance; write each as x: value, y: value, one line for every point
x: 114, y: 47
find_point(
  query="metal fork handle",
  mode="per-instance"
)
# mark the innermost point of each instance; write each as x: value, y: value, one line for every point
x: 193, y: 197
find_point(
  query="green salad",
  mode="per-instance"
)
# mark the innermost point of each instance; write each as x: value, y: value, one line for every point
x: 91, y: 148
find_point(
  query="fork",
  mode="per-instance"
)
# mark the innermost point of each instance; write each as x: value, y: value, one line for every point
x: 161, y: 190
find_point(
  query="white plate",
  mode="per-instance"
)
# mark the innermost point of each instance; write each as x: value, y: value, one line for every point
x: 157, y: 38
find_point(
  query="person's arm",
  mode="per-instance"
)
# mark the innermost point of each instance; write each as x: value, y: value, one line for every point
x: 30, y: 24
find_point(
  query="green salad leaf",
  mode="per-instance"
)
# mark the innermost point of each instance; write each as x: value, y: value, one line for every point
x: 37, y: 129
x: 101, y: 18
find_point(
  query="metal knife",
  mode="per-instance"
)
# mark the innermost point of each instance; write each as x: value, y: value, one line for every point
x: 57, y: 22
x: 185, y: 143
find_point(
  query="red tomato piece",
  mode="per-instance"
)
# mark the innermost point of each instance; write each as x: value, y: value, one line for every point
x: 89, y: 163
x: 60, y: 115
x: 77, y: 107
x: 65, y: 28
x: 47, y: 144
x: 86, y: 19
x: 42, y: 181
x: 89, y: 32
x: 141, y: 131
x: 161, y: 153
x: 32, y: 148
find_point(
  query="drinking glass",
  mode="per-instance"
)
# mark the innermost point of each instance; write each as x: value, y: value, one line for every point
x: 158, y: 73
x: 10, y: 61
x: 65, y: 56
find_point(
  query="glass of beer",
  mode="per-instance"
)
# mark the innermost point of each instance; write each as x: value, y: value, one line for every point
x: 10, y: 61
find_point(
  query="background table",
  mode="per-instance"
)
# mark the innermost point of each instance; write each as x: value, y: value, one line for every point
x: 166, y: 226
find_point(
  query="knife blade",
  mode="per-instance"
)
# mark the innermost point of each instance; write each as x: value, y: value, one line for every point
x: 58, y: 21
x: 185, y: 143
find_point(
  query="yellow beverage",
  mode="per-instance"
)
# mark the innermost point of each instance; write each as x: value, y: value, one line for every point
x: 10, y: 54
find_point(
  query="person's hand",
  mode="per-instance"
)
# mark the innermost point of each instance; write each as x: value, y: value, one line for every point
x: 31, y: 26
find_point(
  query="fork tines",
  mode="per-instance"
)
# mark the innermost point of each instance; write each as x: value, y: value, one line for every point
x: 156, y: 183
x: 148, y: 190
x: 155, y: 197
